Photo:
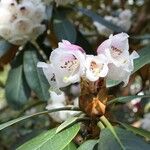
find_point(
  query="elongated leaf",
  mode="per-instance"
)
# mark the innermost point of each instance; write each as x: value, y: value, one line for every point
x: 63, y: 28
x: 143, y: 59
x: 129, y: 141
x: 34, y: 75
x: 17, y: 89
x: 139, y: 131
x: 37, y: 142
x: 142, y: 37
x: 70, y: 146
x: 53, y: 141
x: 66, y: 124
x: 9, y: 123
x: 126, y: 99
x: 88, y: 145
x: 4, y: 47
x: 95, y: 17
x: 112, y: 130
x: 138, y: 63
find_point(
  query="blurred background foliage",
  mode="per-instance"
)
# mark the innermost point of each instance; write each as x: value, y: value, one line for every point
x: 20, y: 89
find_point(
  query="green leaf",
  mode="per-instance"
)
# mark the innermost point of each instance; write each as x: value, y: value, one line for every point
x: 34, y: 75
x: 4, y: 47
x: 142, y: 37
x: 129, y: 141
x: 37, y: 142
x: 126, y: 99
x: 139, y: 131
x: 95, y: 17
x: 111, y: 83
x: 144, y: 59
x: 17, y: 89
x: 88, y: 145
x: 9, y: 123
x: 112, y: 130
x: 70, y: 146
x: 52, y: 141
x: 63, y: 28
x: 66, y: 123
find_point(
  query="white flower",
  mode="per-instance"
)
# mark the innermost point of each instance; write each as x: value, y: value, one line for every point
x: 125, y: 14
x: 96, y: 67
x: 58, y: 101
x: 123, y: 21
x: 67, y: 65
x: 116, y: 49
x: 21, y: 22
x: 55, y: 98
x: 60, y: 116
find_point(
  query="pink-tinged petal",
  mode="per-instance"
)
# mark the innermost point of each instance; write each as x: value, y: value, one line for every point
x: 68, y: 46
x: 117, y: 45
x: 105, y: 45
x: 119, y: 42
x: 69, y: 66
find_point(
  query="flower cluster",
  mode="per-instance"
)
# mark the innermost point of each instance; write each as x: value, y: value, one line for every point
x: 69, y: 62
x: 21, y: 22
x: 123, y: 21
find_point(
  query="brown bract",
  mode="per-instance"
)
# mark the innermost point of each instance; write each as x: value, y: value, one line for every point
x: 93, y: 97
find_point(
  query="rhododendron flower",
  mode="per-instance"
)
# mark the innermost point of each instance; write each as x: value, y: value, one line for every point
x: 96, y: 67
x: 116, y: 49
x: 123, y: 21
x: 21, y: 21
x: 67, y: 65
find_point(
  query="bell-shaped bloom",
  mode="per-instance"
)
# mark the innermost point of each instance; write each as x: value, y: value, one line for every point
x: 116, y: 49
x: 67, y: 65
x: 96, y: 67
x: 123, y: 72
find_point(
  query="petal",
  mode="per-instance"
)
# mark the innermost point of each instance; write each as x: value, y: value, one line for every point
x: 48, y: 71
x: 105, y: 45
x: 134, y: 55
x: 57, y: 116
x: 118, y: 74
x: 104, y: 71
x: 42, y: 65
x: 55, y: 98
x: 96, y: 67
x: 120, y: 41
x: 68, y: 66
